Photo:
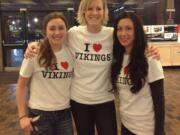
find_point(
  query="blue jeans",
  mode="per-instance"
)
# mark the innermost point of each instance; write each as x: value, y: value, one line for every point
x: 52, y: 122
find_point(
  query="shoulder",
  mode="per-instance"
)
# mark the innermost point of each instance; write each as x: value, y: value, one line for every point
x: 154, y: 64
x: 76, y: 28
x: 66, y: 50
x: 30, y: 62
x: 107, y: 29
x: 152, y: 61
x: 155, y: 71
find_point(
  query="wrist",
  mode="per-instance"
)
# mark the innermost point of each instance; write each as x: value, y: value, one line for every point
x: 23, y: 116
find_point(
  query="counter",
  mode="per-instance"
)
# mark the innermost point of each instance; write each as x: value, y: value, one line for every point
x: 169, y: 51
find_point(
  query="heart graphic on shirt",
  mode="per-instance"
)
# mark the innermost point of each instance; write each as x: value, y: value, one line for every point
x: 97, y: 47
x: 65, y: 65
x: 126, y: 71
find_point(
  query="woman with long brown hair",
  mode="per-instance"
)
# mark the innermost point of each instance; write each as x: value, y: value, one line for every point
x: 47, y: 110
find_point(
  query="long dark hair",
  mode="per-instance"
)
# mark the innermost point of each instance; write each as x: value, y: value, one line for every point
x: 138, y: 66
x: 46, y: 54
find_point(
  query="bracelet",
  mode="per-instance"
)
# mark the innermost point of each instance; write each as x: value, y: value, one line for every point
x: 22, y: 116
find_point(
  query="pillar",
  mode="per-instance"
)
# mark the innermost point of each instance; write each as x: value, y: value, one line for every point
x: 170, y: 12
x: 1, y: 44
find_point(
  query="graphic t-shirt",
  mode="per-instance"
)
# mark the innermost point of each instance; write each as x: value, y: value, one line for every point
x: 92, y: 60
x: 136, y: 110
x: 49, y: 89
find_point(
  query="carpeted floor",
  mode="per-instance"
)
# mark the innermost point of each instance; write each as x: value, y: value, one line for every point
x: 8, y: 77
x: 8, y: 112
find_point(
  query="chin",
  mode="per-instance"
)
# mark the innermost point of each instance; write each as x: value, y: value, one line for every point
x: 56, y: 43
x: 95, y: 24
x: 125, y: 45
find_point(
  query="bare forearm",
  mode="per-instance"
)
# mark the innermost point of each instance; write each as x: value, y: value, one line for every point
x: 21, y: 98
x: 21, y: 103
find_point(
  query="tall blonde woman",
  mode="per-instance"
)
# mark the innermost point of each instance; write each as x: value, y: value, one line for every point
x: 92, y: 102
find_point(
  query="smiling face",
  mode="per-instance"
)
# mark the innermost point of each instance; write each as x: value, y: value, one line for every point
x: 56, y: 31
x: 94, y: 14
x: 125, y: 33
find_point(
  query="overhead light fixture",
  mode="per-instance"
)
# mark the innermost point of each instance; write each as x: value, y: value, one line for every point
x: 25, y: 2
x: 13, y: 22
x: 36, y: 20
x: 131, y: 2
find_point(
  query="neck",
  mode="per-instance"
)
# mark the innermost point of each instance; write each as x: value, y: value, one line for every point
x: 94, y: 29
x: 128, y: 50
x: 56, y: 48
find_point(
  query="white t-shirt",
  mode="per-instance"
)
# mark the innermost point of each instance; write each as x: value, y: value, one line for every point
x: 92, y: 60
x: 136, y: 110
x: 49, y: 89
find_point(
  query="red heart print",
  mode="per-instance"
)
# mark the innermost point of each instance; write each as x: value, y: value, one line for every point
x: 126, y: 70
x: 65, y: 65
x: 97, y: 47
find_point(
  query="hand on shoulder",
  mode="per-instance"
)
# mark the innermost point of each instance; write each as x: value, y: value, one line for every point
x: 153, y: 52
x: 31, y: 50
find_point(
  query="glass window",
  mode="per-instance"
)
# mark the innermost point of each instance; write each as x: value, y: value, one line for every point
x: 13, y: 57
x: 12, y: 31
x: 35, y: 26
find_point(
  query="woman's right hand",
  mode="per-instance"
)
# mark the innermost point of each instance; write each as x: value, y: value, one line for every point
x: 32, y: 50
x: 25, y: 124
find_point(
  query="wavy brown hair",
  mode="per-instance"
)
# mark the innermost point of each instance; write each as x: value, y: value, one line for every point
x: 46, y: 55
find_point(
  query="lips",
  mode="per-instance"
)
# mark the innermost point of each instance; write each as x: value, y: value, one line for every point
x: 124, y: 40
x: 94, y: 19
x: 57, y: 38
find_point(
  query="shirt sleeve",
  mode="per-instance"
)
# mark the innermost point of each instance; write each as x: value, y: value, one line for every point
x: 155, y: 70
x: 27, y: 68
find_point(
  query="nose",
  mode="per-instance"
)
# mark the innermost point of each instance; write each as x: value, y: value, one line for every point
x: 94, y: 11
x: 123, y: 32
x: 57, y: 31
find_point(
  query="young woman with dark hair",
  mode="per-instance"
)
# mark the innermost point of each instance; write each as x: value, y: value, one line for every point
x: 137, y: 78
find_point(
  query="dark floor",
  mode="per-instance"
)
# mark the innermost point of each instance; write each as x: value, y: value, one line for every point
x: 8, y: 113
